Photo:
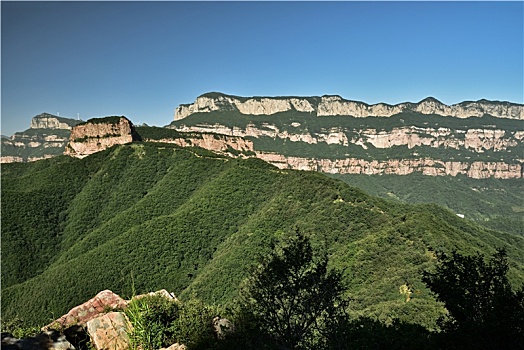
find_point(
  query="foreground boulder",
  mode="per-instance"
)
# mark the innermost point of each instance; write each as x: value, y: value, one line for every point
x: 103, y: 302
x: 110, y: 331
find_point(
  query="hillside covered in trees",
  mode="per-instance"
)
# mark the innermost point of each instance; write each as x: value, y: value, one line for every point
x: 147, y: 216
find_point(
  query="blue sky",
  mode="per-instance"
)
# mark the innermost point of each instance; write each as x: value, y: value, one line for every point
x: 143, y: 59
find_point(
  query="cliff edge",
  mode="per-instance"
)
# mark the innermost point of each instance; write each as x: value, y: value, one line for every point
x: 333, y: 105
x: 97, y: 134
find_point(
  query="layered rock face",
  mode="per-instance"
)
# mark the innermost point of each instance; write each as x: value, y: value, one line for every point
x: 98, y: 134
x: 222, y: 144
x: 479, y: 140
x: 49, y: 121
x: 426, y: 166
x: 450, y: 144
x: 336, y: 105
x: 252, y: 106
x: 46, y: 138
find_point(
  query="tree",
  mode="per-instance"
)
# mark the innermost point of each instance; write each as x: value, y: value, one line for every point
x: 292, y: 292
x: 484, y: 312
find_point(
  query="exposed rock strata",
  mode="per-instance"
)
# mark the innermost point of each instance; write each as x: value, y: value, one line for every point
x: 336, y: 105
x: 46, y: 138
x: 98, y: 134
x: 49, y: 121
x: 217, y: 143
x: 464, y: 141
x: 478, y: 140
x: 426, y: 166
x: 11, y: 159
x: 332, y: 136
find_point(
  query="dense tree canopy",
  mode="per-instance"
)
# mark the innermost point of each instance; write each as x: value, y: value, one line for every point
x: 292, y: 293
x: 484, y: 312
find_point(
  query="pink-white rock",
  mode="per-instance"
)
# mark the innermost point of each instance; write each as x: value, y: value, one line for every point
x: 110, y: 331
x: 81, y: 314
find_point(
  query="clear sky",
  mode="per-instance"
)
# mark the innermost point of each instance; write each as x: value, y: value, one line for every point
x: 143, y: 59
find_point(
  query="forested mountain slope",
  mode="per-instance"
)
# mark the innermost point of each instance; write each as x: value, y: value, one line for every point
x: 146, y: 216
x: 466, y: 157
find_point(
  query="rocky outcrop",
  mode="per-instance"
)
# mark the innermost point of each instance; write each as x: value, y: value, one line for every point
x: 46, y: 138
x: 98, y: 134
x: 426, y: 166
x: 222, y: 144
x: 81, y: 314
x: 478, y: 140
x: 479, y: 147
x: 331, y: 136
x: 159, y: 293
x: 254, y: 106
x: 11, y: 159
x: 336, y: 105
x: 96, y: 322
x: 49, y: 121
x: 110, y: 331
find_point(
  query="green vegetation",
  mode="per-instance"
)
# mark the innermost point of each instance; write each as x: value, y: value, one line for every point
x: 484, y: 311
x: 292, y: 301
x: 160, y: 322
x: 18, y: 328
x: 314, y: 123
x: 104, y: 120
x: 156, y: 133
x: 294, y: 122
x: 147, y: 216
x: 493, y: 203
x: 29, y: 140
x: 292, y: 297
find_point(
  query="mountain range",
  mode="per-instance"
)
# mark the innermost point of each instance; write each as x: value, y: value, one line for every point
x: 146, y: 215
x: 191, y: 206
x: 472, y: 165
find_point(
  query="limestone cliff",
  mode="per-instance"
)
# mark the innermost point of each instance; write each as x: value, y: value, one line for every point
x: 49, y: 121
x: 479, y: 140
x: 227, y: 145
x: 427, y: 137
x: 426, y: 166
x: 336, y: 105
x: 97, y: 134
x: 46, y: 138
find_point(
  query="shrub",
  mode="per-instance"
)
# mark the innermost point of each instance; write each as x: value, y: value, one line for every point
x: 151, y: 317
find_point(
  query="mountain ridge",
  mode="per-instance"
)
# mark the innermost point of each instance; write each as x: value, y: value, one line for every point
x: 46, y: 137
x: 150, y: 214
x: 332, y: 105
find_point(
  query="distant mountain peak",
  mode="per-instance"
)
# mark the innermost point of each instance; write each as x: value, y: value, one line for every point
x: 431, y: 100
x: 50, y: 121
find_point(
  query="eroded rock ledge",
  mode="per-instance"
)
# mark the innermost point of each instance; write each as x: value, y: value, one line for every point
x: 332, y: 105
x: 98, y: 134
